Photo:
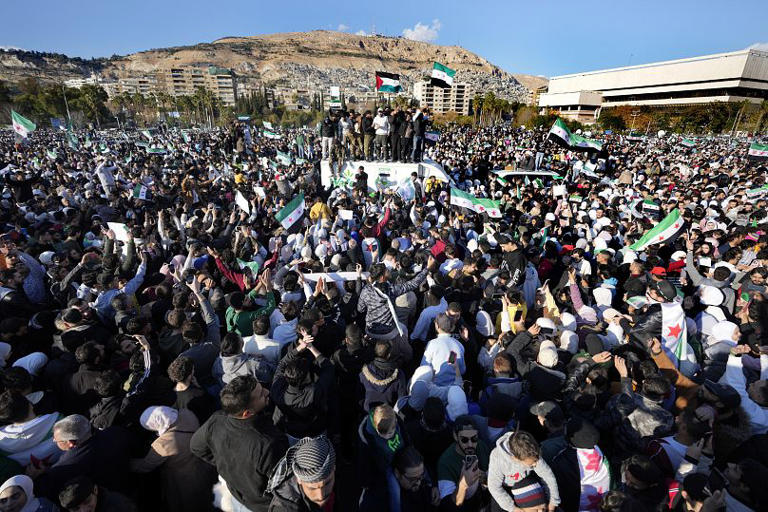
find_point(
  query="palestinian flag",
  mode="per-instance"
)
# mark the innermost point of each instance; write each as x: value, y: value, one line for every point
x: 689, y: 143
x: 291, y: 212
x: 442, y: 76
x: 387, y: 82
x: 140, y: 192
x: 21, y: 124
x: 667, y: 229
x: 570, y: 140
x: 758, y: 150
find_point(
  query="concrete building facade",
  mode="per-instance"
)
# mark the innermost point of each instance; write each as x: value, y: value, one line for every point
x: 439, y: 100
x: 727, y: 77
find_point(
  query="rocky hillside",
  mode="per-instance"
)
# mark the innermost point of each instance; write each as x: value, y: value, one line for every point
x: 18, y: 64
x: 313, y: 60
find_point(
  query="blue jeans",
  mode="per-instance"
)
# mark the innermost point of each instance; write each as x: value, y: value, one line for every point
x: 418, y: 142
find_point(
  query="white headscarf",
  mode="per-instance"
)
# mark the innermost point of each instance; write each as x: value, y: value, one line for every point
x: 27, y: 486
x: 158, y: 418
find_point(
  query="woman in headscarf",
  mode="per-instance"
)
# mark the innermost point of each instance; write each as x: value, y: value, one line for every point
x: 186, y: 481
x: 17, y: 495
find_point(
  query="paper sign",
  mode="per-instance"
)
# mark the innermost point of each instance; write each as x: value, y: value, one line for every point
x: 260, y: 192
x: 346, y: 214
x: 120, y: 229
x: 242, y: 203
x: 559, y: 190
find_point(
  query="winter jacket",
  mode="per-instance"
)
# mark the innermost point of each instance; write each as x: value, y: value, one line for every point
x: 504, y: 471
x: 302, y: 410
x: 376, y: 307
x: 244, y: 453
x: 382, y: 384
x: 514, y: 262
x: 227, y: 368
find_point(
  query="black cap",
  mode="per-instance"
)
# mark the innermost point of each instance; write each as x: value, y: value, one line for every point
x: 235, y: 300
x: 665, y: 289
x: 581, y: 434
x: 728, y: 396
x: 549, y: 410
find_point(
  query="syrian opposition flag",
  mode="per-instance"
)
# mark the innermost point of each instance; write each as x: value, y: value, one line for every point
x: 689, y: 143
x: 291, y: 212
x: 284, y: 158
x: 674, y: 335
x: 267, y: 125
x: 595, y: 478
x: 665, y: 230
x: 442, y: 76
x: 564, y: 137
x: 156, y: 151
x: 758, y: 150
x: 271, y: 135
x: 463, y: 199
x: 21, y: 124
x: 147, y: 134
x: 52, y: 154
x: 253, y: 265
x: 140, y: 192
x: 387, y: 82
x: 757, y: 192
x: 476, y: 204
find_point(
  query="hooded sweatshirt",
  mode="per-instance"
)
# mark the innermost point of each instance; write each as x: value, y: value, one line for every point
x: 504, y: 471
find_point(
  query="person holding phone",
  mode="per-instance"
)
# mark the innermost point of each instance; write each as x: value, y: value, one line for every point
x: 463, y: 468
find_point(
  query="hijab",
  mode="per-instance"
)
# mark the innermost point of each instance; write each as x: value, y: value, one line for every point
x: 159, y: 418
x: 26, y: 485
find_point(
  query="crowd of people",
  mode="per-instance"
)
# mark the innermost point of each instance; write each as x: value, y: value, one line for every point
x: 391, y: 135
x: 167, y: 344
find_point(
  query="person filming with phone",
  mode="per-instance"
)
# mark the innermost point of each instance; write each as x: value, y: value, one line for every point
x: 462, y: 470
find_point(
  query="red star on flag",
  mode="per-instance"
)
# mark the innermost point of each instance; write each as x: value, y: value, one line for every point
x: 593, y: 461
x: 674, y: 331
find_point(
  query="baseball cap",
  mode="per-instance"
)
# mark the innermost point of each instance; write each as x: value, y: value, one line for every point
x: 659, y: 271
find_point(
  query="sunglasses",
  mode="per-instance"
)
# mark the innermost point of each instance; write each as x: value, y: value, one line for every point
x: 466, y: 440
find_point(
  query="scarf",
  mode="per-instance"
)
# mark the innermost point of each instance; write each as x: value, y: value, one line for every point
x: 159, y: 418
x: 26, y: 485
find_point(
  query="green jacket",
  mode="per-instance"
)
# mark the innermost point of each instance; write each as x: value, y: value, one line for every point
x: 241, y: 322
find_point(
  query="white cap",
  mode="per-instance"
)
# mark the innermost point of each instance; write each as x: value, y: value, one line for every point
x: 547, y: 353
x: 550, y: 217
x: 545, y: 323
x: 711, y: 296
x: 46, y: 258
x: 678, y: 255
x: 569, y: 341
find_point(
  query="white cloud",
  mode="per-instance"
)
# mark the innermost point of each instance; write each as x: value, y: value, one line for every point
x: 759, y: 46
x: 342, y: 27
x: 361, y: 33
x: 421, y: 32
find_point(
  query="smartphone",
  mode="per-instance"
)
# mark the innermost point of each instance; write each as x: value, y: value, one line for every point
x: 172, y: 268
x: 452, y: 357
x: 518, y: 315
x: 547, y: 331
x: 190, y: 278
x: 469, y: 460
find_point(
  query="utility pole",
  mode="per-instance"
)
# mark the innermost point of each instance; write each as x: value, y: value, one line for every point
x: 66, y: 105
x: 633, y: 116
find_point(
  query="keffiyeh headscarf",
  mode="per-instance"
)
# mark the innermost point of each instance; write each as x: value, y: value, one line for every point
x: 312, y: 459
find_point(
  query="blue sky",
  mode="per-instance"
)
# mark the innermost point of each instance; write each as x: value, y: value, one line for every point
x: 536, y: 36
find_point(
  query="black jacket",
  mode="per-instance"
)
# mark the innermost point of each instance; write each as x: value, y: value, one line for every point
x: 289, y: 498
x: 515, y: 263
x: 244, y: 453
x: 648, y: 326
x: 103, y: 458
x: 329, y: 128
x: 303, y: 410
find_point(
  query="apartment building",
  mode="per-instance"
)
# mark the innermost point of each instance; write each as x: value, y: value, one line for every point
x: 439, y: 100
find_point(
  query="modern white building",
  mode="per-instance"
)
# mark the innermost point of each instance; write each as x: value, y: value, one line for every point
x: 728, y: 77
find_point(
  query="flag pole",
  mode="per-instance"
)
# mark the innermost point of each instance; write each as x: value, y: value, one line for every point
x: 64, y: 92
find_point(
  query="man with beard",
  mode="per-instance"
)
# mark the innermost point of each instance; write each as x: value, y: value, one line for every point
x: 462, y: 468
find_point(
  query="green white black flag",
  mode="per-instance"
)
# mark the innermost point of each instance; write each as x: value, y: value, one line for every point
x: 442, y: 76
x: 21, y: 124
x: 292, y: 212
